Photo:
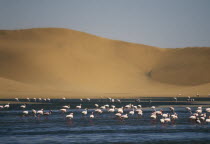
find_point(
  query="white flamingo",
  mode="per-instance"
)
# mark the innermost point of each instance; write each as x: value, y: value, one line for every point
x: 23, y: 106
x: 153, y: 108
x: 28, y: 99
x: 34, y: 99
x: 85, y: 112
x: 132, y: 112
x: 99, y: 111
x: 63, y: 110
x: 48, y: 99
x: 79, y: 106
x: 125, y: 116
x: 139, y: 106
x: 47, y: 113
x: 118, y: 114
x: 66, y: 106
x: 120, y: 110
x: 96, y: 105
x: 40, y: 112
x: 25, y: 113
x: 140, y: 113
x: 7, y: 105
x: 70, y: 116
x: 111, y: 110
x: 208, y: 110
x: 34, y: 112
x: 92, y: 116
x: 208, y: 120
x: 153, y: 116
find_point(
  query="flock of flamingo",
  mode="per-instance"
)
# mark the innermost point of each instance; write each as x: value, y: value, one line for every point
x: 199, y: 116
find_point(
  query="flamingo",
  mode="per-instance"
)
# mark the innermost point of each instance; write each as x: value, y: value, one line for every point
x: 165, y: 115
x: 111, y: 110
x: 118, y: 114
x: 66, y: 106
x: 96, y: 105
x: 118, y: 100
x: 112, y: 100
x: 188, y: 109
x: 208, y: 110
x: 198, y: 111
x: 34, y: 99
x: 120, y: 110
x: 63, y: 110
x: 28, y: 99
x: 84, y: 112
x: 48, y: 99
x: 171, y: 109
x: 79, y: 106
x: 202, y: 118
x: 40, y: 112
x: 109, y: 99
x: 200, y: 108
x: 7, y: 105
x: 139, y: 106
x: 162, y: 120
x: 113, y: 106
x: 208, y: 120
x: 153, y: 108
x: 125, y: 116
x: 70, y: 116
x: 99, y: 111
x: 174, y: 116
x: 23, y: 106
x: 106, y: 106
x: 140, y: 113
x: 128, y: 106
x: 34, y: 112
x: 131, y: 112
x: 137, y: 100
x: 167, y: 120
x: 153, y: 116
x: 25, y: 113
x: 92, y: 116
x: 103, y: 107
x: 197, y: 121
x: 47, y: 113
x: 138, y: 110
x: 17, y: 99
x: 88, y: 99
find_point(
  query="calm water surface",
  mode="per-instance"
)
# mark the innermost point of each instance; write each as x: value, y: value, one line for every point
x: 104, y: 128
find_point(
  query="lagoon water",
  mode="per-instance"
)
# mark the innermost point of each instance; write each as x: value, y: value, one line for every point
x: 104, y: 128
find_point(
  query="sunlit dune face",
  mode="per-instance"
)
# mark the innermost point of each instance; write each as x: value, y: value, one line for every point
x: 55, y: 60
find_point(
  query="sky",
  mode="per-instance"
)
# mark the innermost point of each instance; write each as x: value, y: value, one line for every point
x: 161, y: 23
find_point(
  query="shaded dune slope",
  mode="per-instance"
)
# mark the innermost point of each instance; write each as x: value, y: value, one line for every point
x: 60, y: 61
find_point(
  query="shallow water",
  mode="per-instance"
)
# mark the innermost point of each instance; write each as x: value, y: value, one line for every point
x: 104, y: 128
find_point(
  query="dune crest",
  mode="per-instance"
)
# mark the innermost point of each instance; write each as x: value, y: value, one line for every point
x: 56, y: 61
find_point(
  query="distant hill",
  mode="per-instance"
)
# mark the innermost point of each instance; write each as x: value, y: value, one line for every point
x: 57, y: 62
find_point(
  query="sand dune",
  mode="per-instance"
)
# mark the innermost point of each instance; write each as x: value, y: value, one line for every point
x: 58, y: 62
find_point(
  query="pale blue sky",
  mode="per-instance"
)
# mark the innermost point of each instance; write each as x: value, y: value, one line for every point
x: 162, y: 23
